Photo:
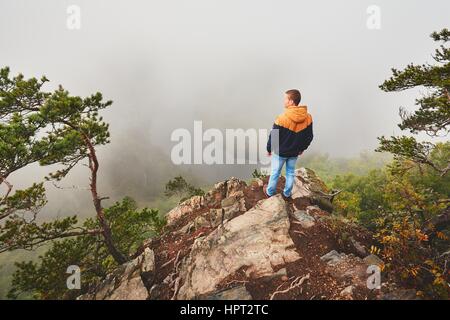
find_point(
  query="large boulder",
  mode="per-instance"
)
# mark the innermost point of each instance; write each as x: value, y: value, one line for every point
x: 257, y: 240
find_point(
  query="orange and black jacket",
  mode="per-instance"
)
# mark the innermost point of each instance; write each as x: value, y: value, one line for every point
x: 295, y: 132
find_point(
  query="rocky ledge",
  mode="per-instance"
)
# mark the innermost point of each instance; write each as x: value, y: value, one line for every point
x: 234, y: 243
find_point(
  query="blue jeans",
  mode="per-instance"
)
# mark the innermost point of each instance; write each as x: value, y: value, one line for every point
x: 277, y: 165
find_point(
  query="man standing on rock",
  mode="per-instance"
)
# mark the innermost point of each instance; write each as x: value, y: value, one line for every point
x: 294, y: 132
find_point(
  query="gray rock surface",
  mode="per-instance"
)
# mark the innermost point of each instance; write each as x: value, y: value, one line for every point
x: 304, y: 219
x: 257, y: 240
x: 332, y: 257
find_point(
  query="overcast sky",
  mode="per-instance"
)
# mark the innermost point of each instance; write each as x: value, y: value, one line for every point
x: 227, y: 62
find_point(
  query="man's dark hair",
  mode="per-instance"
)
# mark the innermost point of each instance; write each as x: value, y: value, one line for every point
x: 294, y: 95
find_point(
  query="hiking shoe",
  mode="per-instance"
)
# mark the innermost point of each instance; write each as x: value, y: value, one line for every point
x: 265, y: 191
x: 286, y: 198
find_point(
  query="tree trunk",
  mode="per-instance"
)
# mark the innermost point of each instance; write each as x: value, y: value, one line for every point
x: 106, y: 230
x: 116, y: 254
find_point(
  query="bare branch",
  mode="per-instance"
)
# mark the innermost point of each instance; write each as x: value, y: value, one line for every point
x: 294, y: 284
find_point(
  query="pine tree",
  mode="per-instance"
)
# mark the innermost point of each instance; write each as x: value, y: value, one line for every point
x: 433, y: 113
x: 47, y: 128
x: 432, y: 117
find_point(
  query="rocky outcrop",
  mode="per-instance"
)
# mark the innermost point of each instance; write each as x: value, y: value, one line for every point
x: 235, y: 243
x: 223, y: 202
